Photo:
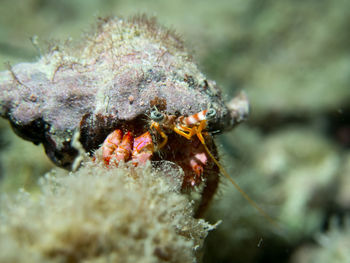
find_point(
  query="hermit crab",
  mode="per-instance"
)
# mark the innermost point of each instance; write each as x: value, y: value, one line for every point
x: 131, y: 87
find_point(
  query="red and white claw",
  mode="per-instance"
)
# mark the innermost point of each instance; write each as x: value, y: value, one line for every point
x: 117, y: 146
x: 123, y: 152
x: 143, y: 149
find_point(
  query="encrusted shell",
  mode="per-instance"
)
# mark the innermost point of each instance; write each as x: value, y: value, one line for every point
x: 111, y: 80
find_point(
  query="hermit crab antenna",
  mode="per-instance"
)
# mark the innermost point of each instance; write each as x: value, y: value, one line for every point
x: 246, y: 197
x: 201, y: 127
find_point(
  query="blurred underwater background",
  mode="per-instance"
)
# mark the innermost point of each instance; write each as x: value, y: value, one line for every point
x: 292, y: 58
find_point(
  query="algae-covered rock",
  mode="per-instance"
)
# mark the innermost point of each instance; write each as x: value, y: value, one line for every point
x: 331, y: 246
x: 99, y: 214
x: 343, y: 194
x: 289, y: 173
x: 305, y: 165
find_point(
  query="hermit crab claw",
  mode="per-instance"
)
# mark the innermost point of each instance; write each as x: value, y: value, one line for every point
x: 143, y: 149
x: 119, y: 147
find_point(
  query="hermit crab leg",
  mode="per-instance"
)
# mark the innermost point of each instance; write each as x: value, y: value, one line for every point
x: 117, y: 146
x: 195, y: 118
x: 155, y: 125
x: 197, y: 162
x: 157, y: 117
x: 201, y: 117
x: 110, y: 145
x: 182, y: 131
x: 143, y: 149
x: 198, y: 131
x: 123, y: 151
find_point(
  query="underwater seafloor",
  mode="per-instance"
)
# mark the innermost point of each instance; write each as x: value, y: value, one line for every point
x: 292, y: 155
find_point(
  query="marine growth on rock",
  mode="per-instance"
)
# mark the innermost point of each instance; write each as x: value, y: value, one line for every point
x: 111, y: 79
x: 132, y: 77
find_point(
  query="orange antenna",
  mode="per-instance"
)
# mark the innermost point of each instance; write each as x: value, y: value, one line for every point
x: 201, y: 126
x: 246, y: 197
x: 187, y: 132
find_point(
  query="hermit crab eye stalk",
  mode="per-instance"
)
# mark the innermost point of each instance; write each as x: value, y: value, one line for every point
x: 156, y: 115
x: 211, y: 113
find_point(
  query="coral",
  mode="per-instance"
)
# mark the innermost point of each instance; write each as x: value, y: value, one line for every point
x: 343, y: 195
x: 98, y: 214
x: 290, y: 175
x: 305, y: 167
x: 331, y: 246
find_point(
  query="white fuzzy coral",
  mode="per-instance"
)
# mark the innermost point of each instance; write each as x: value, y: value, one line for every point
x: 100, y: 214
x: 332, y: 246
